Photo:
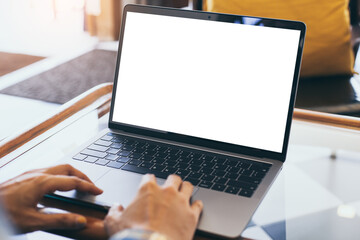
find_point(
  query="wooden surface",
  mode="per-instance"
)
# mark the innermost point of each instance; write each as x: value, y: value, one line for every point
x: 11, y: 61
x: 106, y: 26
x: 327, y: 119
x: 100, y: 94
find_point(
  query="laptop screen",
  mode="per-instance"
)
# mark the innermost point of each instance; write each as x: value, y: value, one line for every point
x: 222, y: 81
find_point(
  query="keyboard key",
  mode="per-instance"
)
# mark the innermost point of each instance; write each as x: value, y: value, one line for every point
x: 249, y: 179
x: 182, y: 166
x: 182, y: 173
x: 141, y: 146
x: 113, y: 150
x: 158, y: 167
x: 218, y: 187
x: 135, y: 155
x: 208, y: 164
x: 138, y: 150
x: 135, y: 169
x: 246, y: 193
x: 219, y: 173
x: 207, y: 158
x: 233, y: 176
x: 146, y: 158
x: 115, y: 164
x: 205, y: 184
x: 220, y: 167
x: 102, y: 162
x: 135, y: 162
x: 98, y: 148
x: 158, y: 160
x: 247, y: 173
x: 90, y: 159
x: 260, y: 175
x: 260, y: 168
x: 232, y: 163
x: 142, y: 170
x: 244, y: 165
x: 219, y: 160
x: 172, y: 151
x: 206, y: 177
x: 151, y: 148
x: 107, y: 138
x: 93, y: 153
x: 195, y: 175
x: 184, y: 160
x: 174, y: 160
x: 221, y: 180
x: 257, y: 165
x: 184, y: 153
x: 232, y: 190
x: 160, y: 155
x: 241, y: 184
x: 103, y: 143
x: 193, y: 181
x: 169, y: 163
x: 123, y: 159
x: 171, y: 157
x: 79, y: 157
x: 170, y: 170
x: 117, y: 140
x: 129, y: 141
x: 112, y: 157
x: 161, y: 149
x: 124, y: 153
x: 159, y: 174
x: 116, y: 145
x: 234, y: 169
x: 195, y: 156
x: 206, y: 170
x: 194, y: 168
x: 196, y: 162
x: 146, y: 165
x: 127, y: 148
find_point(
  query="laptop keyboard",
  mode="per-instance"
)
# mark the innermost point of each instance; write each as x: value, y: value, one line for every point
x: 218, y: 172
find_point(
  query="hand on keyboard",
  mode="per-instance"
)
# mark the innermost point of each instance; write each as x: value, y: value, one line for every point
x: 163, y: 209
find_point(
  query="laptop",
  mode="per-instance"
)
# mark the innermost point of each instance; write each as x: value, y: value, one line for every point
x: 207, y: 96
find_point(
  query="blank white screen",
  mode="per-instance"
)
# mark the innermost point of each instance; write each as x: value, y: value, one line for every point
x: 220, y: 81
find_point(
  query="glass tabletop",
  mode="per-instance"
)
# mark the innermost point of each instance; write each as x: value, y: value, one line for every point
x: 315, y: 196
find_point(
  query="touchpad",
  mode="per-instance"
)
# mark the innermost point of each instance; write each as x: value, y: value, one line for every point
x: 118, y: 186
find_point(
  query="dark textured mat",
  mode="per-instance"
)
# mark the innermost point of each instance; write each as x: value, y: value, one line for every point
x: 68, y: 80
x: 10, y: 62
x: 336, y: 94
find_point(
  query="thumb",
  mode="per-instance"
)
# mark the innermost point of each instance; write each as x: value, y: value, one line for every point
x: 197, y: 208
x: 61, y: 221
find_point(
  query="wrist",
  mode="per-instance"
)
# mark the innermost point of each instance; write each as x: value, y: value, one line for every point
x: 138, y: 234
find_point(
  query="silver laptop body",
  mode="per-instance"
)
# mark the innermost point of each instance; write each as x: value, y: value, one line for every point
x: 217, y: 83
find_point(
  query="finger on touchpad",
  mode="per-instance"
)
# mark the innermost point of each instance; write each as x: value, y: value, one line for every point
x: 161, y: 181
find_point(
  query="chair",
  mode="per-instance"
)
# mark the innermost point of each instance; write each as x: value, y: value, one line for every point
x: 334, y: 94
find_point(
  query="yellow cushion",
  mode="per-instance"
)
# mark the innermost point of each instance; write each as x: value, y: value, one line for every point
x: 327, y: 48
